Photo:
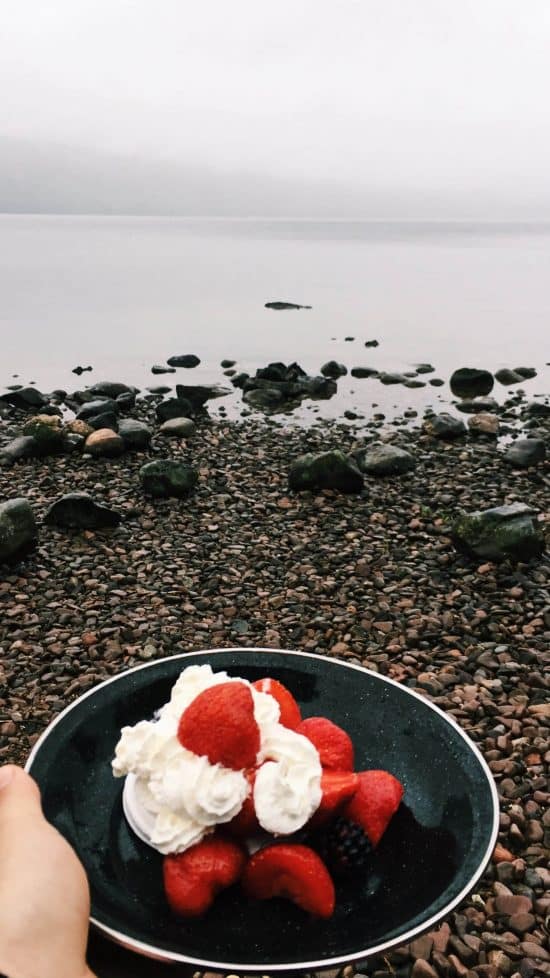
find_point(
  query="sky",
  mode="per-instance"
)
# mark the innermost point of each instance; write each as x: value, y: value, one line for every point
x: 366, y: 108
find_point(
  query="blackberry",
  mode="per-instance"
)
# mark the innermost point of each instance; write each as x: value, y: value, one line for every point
x: 345, y: 848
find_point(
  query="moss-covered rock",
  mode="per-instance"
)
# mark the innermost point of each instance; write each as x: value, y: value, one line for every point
x: 329, y: 470
x: 500, y: 533
x: 168, y: 477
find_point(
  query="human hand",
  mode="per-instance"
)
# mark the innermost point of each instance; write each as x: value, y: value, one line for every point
x: 44, y: 896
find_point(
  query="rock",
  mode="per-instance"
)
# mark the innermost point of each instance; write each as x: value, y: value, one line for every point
x: 508, y: 377
x: 525, y: 452
x: 538, y: 409
x: 284, y: 305
x: 329, y: 470
x: 477, y: 404
x: 499, y: 533
x: 444, y: 426
x: 47, y: 433
x: 178, y: 427
x: 372, y: 343
x: 468, y: 382
x: 135, y: 434
x: 71, y: 442
x: 414, y: 383
x: 483, y: 424
x: 265, y: 398
x: 526, y: 372
x: 157, y: 368
x: 421, y: 969
x: 18, y: 532
x: 26, y: 398
x: 393, y: 378
x: 22, y: 447
x: 174, y: 407
x: 185, y: 360
x: 78, y: 509
x: 362, y: 372
x: 91, y: 411
x: 280, y: 372
x: 81, y: 370
x: 227, y: 364
x: 110, y: 389
x: 104, y: 442
x: 384, y: 460
x: 168, y: 477
x: 126, y: 401
x: 333, y: 369
x: 160, y: 389
x: 239, y: 380
x: 424, y: 368
x: 199, y: 394
x: 79, y: 427
x: 436, y: 382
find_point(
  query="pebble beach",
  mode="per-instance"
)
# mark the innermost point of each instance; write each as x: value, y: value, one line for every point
x: 371, y: 577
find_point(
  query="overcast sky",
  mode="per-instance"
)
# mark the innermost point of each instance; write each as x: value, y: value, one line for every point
x: 367, y: 107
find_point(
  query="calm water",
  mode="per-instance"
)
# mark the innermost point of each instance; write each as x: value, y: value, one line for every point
x: 124, y: 293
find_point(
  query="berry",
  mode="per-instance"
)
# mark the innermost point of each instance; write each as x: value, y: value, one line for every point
x: 290, y: 711
x: 345, y: 847
x: 194, y: 877
x: 292, y: 871
x: 334, y: 744
x: 245, y: 822
x: 337, y: 788
x: 374, y: 803
x: 220, y: 724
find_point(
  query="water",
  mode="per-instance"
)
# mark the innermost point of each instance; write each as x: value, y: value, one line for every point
x: 124, y: 293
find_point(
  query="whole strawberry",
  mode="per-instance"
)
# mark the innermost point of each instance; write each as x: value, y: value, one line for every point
x: 220, y: 725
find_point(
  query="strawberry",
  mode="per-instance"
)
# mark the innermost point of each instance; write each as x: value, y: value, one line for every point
x: 290, y: 711
x: 291, y: 871
x: 245, y: 822
x: 337, y: 787
x: 220, y: 724
x: 334, y: 744
x: 374, y: 803
x: 194, y: 877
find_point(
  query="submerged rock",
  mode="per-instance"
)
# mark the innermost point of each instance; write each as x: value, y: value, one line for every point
x: 284, y: 305
x: 26, y: 398
x: 468, y: 382
x: 328, y: 470
x: 185, y: 360
x: 362, y: 372
x: 157, y: 368
x: 499, y: 533
x: 334, y: 369
x: 508, y: 377
x: 18, y: 532
x: 79, y: 510
x: 168, y: 477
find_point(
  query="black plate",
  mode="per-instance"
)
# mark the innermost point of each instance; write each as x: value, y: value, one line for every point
x: 431, y: 856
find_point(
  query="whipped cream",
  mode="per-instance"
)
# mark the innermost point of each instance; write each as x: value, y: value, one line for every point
x: 173, y: 798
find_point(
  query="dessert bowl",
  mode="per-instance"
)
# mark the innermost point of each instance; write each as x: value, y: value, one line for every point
x: 431, y: 856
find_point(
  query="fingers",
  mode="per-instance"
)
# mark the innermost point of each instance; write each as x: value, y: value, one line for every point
x: 19, y: 794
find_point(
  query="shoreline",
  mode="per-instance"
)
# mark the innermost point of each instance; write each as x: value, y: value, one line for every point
x: 370, y: 577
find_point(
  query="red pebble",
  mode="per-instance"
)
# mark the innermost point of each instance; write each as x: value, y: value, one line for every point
x: 290, y: 711
x: 194, y: 877
x: 220, y: 725
x: 376, y: 800
x: 291, y: 871
x: 334, y: 744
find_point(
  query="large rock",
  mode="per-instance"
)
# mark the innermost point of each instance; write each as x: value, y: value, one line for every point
x: 104, y: 442
x: 99, y: 413
x: 484, y: 424
x: 470, y: 382
x: 186, y: 360
x: 178, y: 428
x: 78, y: 509
x: 381, y: 460
x: 526, y: 372
x: 525, y: 452
x: 329, y: 470
x: 174, y: 407
x: 334, y: 369
x: 168, y: 477
x: 26, y: 398
x: 47, y: 431
x: 136, y: 435
x: 22, y: 447
x: 444, y: 426
x: 126, y: 401
x: 18, y: 532
x: 499, y: 533
x: 292, y: 383
x: 199, y: 394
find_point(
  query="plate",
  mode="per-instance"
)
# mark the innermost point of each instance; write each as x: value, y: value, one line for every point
x: 431, y: 856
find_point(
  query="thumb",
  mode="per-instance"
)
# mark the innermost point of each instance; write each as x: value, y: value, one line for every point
x: 19, y: 795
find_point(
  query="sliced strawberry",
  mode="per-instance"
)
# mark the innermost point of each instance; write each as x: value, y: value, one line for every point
x: 291, y: 871
x: 220, y: 724
x: 290, y: 711
x: 337, y: 787
x: 334, y: 744
x: 245, y: 822
x: 374, y: 803
x: 194, y: 877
